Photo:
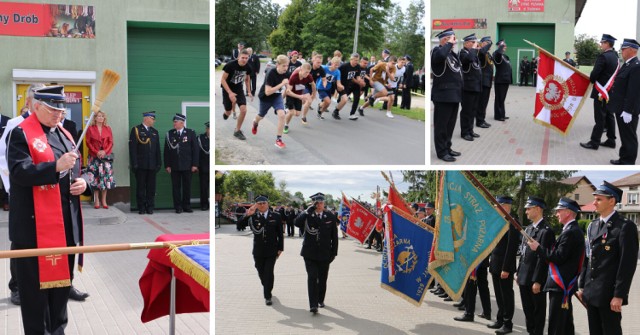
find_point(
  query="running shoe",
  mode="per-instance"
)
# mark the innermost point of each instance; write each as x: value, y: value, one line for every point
x: 235, y: 117
x: 304, y: 120
x: 225, y: 116
x: 389, y: 115
x: 353, y: 117
x: 286, y: 129
x: 361, y: 111
x: 280, y: 144
x: 239, y: 135
x: 254, y: 129
x: 320, y: 115
x: 335, y: 115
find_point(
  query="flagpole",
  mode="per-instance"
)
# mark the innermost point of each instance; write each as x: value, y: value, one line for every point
x: 395, y: 189
x: 493, y: 200
x: 21, y: 253
x: 557, y: 59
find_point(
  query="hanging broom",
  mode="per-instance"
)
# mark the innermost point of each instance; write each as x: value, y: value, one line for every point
x: 109, y: 80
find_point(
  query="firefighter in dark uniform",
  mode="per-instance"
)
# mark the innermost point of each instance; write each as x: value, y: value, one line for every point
x: 408, y: 83
x: 502, y: 266
x: 486, y: 64
x: 446, y: 94
x: 565, y: 263
x: 503, y: 79
x: 472, y: 85
x: 604, y: 68
x: 144, y: 157
x: 290, y: 216
x: 430, y: 220
x: 268, y: 241
x: 624, y: 103
x: 610, y: 262
x: 532, y: 270
x: 181, y: 161
x: 203, y: 168
x: 319, y: 248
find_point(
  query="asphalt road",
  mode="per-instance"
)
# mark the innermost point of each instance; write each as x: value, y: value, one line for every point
x: 373, y: 139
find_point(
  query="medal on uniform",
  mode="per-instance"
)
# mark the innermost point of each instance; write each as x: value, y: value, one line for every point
x: 607, y: 248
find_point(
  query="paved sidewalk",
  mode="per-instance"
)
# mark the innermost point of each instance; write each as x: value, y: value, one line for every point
x: 111, y: 279
x: 355, y: 302
x: 520, y: 141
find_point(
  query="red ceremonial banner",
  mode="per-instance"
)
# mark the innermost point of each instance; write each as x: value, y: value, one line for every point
x: 361, y: 222
x: 526, y: 5
x: 47, y: 20
x: 560, y: 93
x: 459, y: 24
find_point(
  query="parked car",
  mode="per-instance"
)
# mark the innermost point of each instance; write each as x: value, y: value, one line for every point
x: 262, y: 56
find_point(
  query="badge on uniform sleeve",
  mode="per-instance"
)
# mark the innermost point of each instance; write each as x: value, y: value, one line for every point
x: 185, y: 139
x: 39, y: 145
x: 607, y: 248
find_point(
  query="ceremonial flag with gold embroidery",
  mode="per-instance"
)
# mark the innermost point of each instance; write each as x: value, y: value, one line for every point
x: 344, y: 212
x: 560, y: 92
x: 468, y: 227
x: 361, y: 222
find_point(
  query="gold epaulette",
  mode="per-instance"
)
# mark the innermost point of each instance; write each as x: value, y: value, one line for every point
x: 138, y: 137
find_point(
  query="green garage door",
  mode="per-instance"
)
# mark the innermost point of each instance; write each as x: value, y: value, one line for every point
x: 168, y: 71
x: 540, y: 34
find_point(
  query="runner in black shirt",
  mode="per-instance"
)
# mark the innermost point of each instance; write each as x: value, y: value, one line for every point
x: 316, y: 72
x: 271, y: 93
x: 235, y: 73
x: 352, y: 82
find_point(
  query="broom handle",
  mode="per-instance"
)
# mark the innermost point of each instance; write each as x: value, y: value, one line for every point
x: 84, y: 132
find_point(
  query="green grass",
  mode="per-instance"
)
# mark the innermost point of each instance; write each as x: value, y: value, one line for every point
x: 413, y: 113
x: 219, y: 162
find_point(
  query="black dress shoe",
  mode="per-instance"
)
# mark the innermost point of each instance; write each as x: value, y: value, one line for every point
x: 467, y: 137
x: 178, y: 210
x: 454, y: 153
x: 149, y: 211
x: 447, y: 158
x: 321, y: 304
x: 443, y: 295
x: 142, y: 211
x: 609, y: 144
x: 495, y: 325
x: 448, y: 298
x: 589, y: 145
x: 506, y: 329
x: 475, y: 135
x: 464, y: 318
x: 188, y: 210
x: 485, y: 316
x: 76, y: 295
x: 461, y: 308
x: 314, y: 310
x: 15, y: 298
x: 501, y: 119
x: 617, y: 162
x: 506, y: 118
x: 459, y: 304
x: 268, y: 302
x: 439, y: 291
x: 204, y: 208
x: 484, y: 125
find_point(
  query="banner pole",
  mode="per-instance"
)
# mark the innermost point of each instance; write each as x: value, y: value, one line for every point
x: 557, y: 59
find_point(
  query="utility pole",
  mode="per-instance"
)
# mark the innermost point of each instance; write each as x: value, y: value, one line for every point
x: 355, y: 38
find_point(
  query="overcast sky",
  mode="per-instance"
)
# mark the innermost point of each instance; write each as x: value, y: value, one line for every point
x: 363, y: 183
x: 613, y: 17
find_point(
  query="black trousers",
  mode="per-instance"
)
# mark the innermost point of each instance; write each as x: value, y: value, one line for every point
x: 254, y: 79
x: 534, y: 307
x: 13, y: 282
x: 468, y: 112
x: 406, y: 99
x: 503, y: 288
x: 603, y: 119
x: 290, y: 229
x: 481, y: 284
x: 603, y: 321
x: 560, y: 319
x: 499, y: 111
x: 445, y: 115
x: 483, y: 102
x: 43, y: 311
x: 265, y: 266
x: 317, y: 274
x: 181, y: 184
x: 355, y: 89
x: 204, y: 189
x: 145, y: 188
x: 629, y: 139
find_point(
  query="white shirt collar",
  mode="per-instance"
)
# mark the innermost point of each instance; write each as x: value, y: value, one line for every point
x: 606, y: 218
x: 535, y: 225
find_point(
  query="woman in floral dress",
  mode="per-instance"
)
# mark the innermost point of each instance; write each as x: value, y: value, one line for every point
x: 99, y: 141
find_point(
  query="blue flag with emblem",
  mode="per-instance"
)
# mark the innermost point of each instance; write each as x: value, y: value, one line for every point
x: 468, y: 227
x: 344, y: 211
x: 412, y: 245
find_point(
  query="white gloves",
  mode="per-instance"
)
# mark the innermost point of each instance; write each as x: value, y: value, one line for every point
x: 626, y: 117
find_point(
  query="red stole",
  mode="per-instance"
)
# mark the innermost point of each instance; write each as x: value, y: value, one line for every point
x: 53, y: 269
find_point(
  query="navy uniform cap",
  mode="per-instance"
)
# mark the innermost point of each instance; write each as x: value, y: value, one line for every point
x: 261, y: 198
x: 486, y: 38
x: 445, y: 33
x: 52, y: 96
x: 607, y: 189
x: 386, y: 51
x: 608, y: 38
x: 430, y: 205
x: 535, y: 201
x: 179, y: 117
x: 317, y: 197
x: 566, y: 203
x: 407, y: 57
x: 629, y: 43
x: 422, y: 210
x: 504, y: 199
x: 151, y: 114
x: 471, y: 37
x: 206, y: 124
x: 415, y: 206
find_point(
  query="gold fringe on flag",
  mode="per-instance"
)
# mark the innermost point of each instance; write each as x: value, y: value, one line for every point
x: 188, y: 266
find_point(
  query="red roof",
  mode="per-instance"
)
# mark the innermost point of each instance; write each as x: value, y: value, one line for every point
x: 632, y: 180
x: 588, y: 208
